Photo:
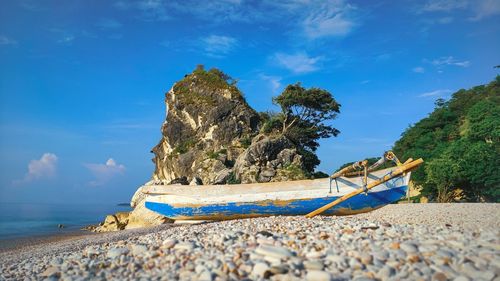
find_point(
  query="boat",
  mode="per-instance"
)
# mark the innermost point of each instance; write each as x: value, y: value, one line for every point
x: 347, y: 192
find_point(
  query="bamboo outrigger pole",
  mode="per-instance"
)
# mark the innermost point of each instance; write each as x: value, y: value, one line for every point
x: 396, y: 172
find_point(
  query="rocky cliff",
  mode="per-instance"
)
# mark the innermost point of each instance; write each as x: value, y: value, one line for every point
x: 211, y: 136
x: 208, y: 125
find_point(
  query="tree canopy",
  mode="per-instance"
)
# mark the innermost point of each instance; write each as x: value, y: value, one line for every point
x: 460, y: 142
x: 304, y: 119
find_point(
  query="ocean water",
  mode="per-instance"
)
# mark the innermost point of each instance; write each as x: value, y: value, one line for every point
x: 19, y: 220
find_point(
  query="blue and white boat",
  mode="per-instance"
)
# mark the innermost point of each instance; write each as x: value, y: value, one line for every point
x: 292, y: 198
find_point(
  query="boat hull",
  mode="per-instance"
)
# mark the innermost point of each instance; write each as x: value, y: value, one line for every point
x: 226, y: 211
x: 272, y: 199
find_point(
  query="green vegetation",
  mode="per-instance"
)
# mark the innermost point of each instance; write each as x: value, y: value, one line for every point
x: 216, y: 154
x: 460, y: 142
x: 303, y: 119
x: 245, y: 141
x: 183, y: 147
x: 212, y: 79
x: 232, y: 179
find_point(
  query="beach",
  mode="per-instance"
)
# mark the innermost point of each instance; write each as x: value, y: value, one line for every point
x: 396, y: 242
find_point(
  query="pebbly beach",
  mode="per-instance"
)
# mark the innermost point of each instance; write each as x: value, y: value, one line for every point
x: 396, y: 242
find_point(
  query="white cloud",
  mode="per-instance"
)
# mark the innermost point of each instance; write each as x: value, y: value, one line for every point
x: 149, y: 10
x: 328, y: 19
x: 444, y: 5
x: 274, y: 82
x: 103, y: 173
x: 418, y: 69
x: 4, y: 40
x: 310, y: 18
x: 109, y: 24
x: 68, y: 39
x: 298, y: 62
x: 478, y: 9
x: 218, y: 45
x: 43, y: 168
x: 450, y: 61
x: 436, y: 93
x: 485, y: 8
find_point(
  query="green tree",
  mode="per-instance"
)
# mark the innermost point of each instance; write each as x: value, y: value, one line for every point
x: 460, y: 143
x: 304, y: 119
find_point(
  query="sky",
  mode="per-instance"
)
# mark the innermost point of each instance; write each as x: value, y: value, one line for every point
x: 82, y: 83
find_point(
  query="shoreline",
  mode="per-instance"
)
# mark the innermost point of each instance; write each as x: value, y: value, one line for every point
x: 412, y: 241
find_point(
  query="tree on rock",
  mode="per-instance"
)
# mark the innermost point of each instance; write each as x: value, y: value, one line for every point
x: 304, y: 119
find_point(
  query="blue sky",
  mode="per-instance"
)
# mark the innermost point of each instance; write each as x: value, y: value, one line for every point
x: 82, y: 83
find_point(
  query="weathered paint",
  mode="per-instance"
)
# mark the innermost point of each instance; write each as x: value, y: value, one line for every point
x: 234, y: 210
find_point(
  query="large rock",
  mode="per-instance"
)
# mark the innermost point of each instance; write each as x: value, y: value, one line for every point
x: 207, y: 121
x: 269, y: 159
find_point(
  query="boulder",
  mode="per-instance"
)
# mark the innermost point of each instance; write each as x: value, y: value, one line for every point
x: 269, y: 159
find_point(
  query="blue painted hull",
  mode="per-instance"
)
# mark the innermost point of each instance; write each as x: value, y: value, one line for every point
x: 357, y: 204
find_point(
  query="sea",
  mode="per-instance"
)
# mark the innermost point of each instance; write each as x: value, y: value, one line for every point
x: 22, y: 220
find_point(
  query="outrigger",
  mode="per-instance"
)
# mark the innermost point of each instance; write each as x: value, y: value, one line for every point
x: 359, y: 188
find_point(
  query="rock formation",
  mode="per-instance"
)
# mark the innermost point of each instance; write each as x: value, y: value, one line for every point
x: 211, y: 136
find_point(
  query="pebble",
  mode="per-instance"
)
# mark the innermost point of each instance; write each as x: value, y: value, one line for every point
x: 397, y: 242
x: 277, y: 252
x: 408, y: 247
x: 187, y: 246
x: 138, y: 250
x: 317, y: 275
x: 259, y: 269
x: 116, y: 252
x: 169, y: 243
x: 313, y: 265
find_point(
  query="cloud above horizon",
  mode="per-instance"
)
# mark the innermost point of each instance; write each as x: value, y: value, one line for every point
x: 313, y: 19
x: 219, y: 45
x: 436, y: 93
x: 418, y: 69
x: 331, y: 18
x: 449, y: 60
x: 4, y: 40
x: 43, y: 168
x: 298, y: 63
x: 103, y: 173
x: 479, y: 9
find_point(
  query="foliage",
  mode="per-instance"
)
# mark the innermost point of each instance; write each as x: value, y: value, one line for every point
x: 319, y: 175
x: 183, y: 147
x: 460, y: 143
x: 303, y: 119
x: 245, y: 141
x: 232, y: 179
x: 213, y: 79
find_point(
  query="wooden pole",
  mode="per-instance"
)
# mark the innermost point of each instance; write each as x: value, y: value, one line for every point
x: 396, y: 172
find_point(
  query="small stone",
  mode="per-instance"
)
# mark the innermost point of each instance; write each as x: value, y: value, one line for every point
x: 279, y: 269
x: 169, y: 243
x: 205, y: 276
x: 138, y: 250
x: 116, y: 252
x: 408, y: 247
x: 185, y: 246
x: 439, y: 276
x: 259, y: 269
x: 318, y: 275
x: 366, y: 258
x: 277, y: 252
x: 265, y: 233
x: 386, y: 272
x: 313, y: 265
x: 51, y: 271
x: 461, y: 278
